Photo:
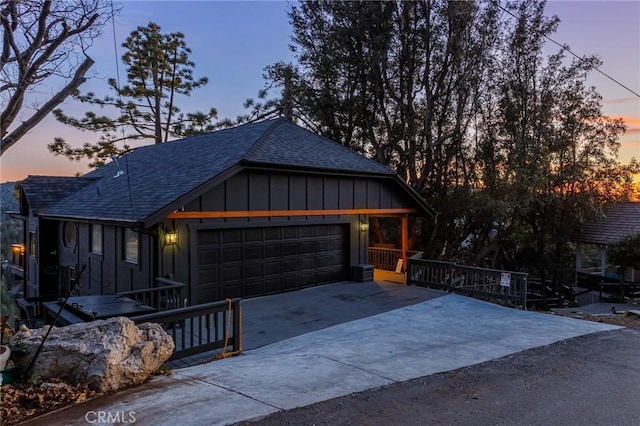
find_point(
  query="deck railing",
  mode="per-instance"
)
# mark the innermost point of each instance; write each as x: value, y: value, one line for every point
x: 386, y: 258
x: 164, y: 297
x: 200, y: 328
x: 479, y: 283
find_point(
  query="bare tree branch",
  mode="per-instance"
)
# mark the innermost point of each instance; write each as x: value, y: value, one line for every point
x: 49, y: 106
x: 43, y: 39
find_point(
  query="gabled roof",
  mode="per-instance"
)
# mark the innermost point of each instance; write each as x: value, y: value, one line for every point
x: 620, y: 220
x: 158, y: 175
x: 42, y: 191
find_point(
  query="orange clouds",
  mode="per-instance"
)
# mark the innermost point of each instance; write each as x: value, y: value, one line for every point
x: 629, y: 121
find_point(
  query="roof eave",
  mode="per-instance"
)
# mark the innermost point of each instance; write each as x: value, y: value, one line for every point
x: 123, y: 222
x: 417, y: 197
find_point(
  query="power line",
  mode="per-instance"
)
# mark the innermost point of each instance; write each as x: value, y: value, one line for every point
x: 566, y: 47
x: 126, y: 160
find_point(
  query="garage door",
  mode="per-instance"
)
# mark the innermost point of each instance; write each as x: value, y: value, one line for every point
x: 256, y: 261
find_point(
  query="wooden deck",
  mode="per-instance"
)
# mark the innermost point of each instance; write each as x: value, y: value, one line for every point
x: 389, y: 276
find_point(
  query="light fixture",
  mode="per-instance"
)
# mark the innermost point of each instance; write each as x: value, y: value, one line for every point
x: 170, y: 238
x: 364, y: 226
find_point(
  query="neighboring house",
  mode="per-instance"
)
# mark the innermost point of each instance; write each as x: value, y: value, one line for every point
x: 619, y: 220
x: 260, y: 208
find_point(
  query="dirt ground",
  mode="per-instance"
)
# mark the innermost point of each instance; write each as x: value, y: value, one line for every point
x: 398, y: 404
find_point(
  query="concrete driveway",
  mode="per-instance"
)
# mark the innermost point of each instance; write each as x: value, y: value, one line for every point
x: 422, y: 338
x: 275, y: 318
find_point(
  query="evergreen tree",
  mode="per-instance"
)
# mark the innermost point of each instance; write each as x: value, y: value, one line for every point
x: 159, y: 71
x: 507, y: 142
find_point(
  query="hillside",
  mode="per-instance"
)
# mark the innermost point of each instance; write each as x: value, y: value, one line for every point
x: 10, y: 229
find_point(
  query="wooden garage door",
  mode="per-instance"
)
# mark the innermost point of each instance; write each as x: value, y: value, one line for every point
x: 256, y: 261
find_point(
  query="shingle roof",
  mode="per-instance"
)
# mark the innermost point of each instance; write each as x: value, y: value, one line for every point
x: 157, y: 175
x: 286, y: 144
x: 42, y: 191
x: 620, y: 220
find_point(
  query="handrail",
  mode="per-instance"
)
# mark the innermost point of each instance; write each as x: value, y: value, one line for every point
x: 473, y: 281
x: 161, y: 298
x: 200, y: 328
x: 387, y: 258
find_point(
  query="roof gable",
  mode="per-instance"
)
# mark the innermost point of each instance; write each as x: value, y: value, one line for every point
x: 156, y: 176
x: 42, y: 191
x: 620, y: 220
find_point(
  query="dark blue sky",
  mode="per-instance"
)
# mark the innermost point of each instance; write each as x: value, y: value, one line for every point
x: 232, y: 41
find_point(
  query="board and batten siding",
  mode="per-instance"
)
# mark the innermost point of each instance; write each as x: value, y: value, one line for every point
x: 107, y: 272
x: 258, y: 190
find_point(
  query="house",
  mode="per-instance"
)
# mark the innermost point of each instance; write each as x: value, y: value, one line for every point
x: 619, y: 220
x: 256, y: 209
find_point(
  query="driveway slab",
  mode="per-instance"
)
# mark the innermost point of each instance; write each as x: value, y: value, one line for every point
x: 438, y: 335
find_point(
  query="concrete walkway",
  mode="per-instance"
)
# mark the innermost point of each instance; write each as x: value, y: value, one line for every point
x: 438, y: 335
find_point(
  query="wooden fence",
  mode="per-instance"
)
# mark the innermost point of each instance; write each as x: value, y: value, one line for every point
x: 479, y: 283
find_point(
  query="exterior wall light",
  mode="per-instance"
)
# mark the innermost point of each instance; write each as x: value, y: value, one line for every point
x: 364, y: 226
x: 170, y: 238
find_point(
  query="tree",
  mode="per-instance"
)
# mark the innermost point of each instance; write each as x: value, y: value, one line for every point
x: 158, y: 72
x: 506, y: 142
x: 43, y: 41
x: 398, y: 81
x: 544, y: 148
x: 283, y: 76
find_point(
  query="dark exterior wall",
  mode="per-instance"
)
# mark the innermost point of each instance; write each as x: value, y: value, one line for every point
x: 108, y: 272
x: 32, y: 273
x: 266, y: 190
x: 252, y: 190
x: 41, y: 264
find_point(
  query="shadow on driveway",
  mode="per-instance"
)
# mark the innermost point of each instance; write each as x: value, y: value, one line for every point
x: 271, y: 319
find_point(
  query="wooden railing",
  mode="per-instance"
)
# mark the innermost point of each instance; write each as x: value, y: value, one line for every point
x: 201, y: 328
x: 386, y: 258
x: 164, y: 297
x: 607, y: 284
x: 480, y: 283
x: 16, y: 267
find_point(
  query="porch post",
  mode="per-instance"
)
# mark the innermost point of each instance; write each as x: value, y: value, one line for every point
x: 578, y: 256
x: 603, y: 260
x: 404, y: 233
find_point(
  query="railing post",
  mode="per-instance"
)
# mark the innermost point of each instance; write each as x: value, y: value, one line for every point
x: 452, y: 271
x: 237, y: 326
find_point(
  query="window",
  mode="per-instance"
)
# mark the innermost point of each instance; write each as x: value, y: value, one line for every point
x: 130, y: 245
x: 69, y: 234
x: 96, y: 239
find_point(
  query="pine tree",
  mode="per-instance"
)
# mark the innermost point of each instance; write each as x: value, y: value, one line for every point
x: 158, y: 71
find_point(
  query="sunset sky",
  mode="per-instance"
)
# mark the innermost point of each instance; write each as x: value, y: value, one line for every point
x: 233, y: 41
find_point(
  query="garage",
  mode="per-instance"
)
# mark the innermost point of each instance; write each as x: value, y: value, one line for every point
x: 246, y: 262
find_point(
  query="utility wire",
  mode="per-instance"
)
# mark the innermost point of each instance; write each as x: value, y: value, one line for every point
x: 566, y: 47
x: 126, y: 160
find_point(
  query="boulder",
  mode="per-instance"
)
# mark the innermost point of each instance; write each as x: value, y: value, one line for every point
x: 105, y: 354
